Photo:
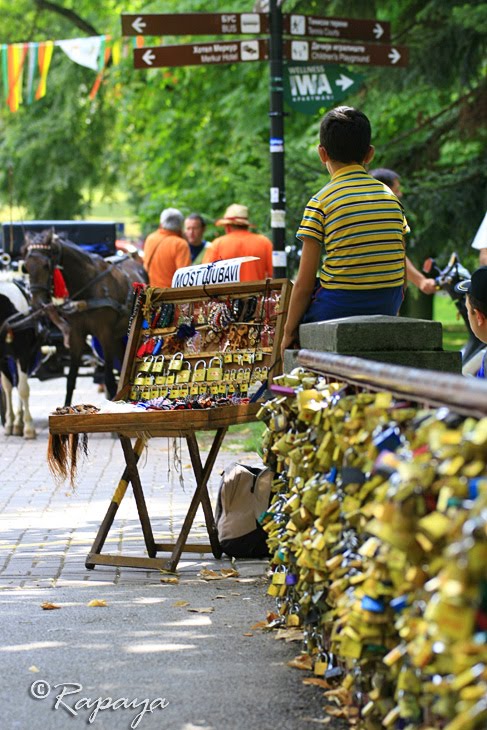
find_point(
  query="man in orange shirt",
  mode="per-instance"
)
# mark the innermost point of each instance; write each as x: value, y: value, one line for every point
x: 166, y: 250
x: 239, y: 241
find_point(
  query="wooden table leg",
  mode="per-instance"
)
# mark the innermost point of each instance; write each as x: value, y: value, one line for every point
x: 134, y: 478
x: 202, y: 475
x: 118, y: 495
x: 200, y: 496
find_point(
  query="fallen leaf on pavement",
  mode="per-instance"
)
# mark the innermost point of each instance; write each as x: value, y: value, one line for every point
x: 209, y: 609
x: 180, y: 603
x: 206, y: 574
x: 248, y: 633
x: 97, y: 603
x: 259, y: 625
x: 33, y: 668
x: 317, y: 682
x: 49, y: 606
x: 303, y: 661
x: 171, y: 579
x: 289, y: 634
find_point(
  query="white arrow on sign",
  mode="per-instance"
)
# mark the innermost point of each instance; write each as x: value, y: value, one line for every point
x: 378, y: 31
x: 344, y: 82
x: 394, y: 55
x: 148, y: 57
x: 138, y: 25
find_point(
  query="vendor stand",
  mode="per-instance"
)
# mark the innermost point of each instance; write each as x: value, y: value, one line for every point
x: 196, y: 360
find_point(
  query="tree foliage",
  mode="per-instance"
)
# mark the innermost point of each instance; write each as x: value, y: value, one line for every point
x: 198, y: 137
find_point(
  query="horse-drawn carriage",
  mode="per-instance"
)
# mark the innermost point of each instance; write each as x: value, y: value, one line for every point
x: 96, y: 300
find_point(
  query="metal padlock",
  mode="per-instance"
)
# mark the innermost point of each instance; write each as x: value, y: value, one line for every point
x: 146, y: 364
x: 215, y: 373
x: 227, y: 357
x: 161, y: 379
x: 199, y: 373
x: 176, y: 362
x: 139, y: 379
x: 184, y: 375
x: 158, y: 365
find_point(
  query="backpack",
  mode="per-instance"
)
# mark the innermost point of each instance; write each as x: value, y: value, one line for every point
x: 244, y: 494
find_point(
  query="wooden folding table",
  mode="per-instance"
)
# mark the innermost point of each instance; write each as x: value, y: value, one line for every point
x: 142, y: 426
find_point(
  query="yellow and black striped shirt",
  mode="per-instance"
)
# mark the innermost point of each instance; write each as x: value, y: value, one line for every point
x: 361, y: 224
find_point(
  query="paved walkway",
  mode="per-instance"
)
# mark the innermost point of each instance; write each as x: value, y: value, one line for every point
x: 189, y: 647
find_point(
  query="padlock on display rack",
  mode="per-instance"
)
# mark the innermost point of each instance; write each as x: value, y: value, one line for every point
x: 199, y: 371
x: 215, y: 372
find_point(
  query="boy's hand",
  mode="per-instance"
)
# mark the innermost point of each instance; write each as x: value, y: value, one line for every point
x: 428, y: 286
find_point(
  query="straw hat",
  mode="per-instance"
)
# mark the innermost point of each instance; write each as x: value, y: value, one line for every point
x: 235, y: 215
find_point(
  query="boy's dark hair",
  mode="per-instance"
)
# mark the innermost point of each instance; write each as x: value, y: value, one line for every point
x: 384, y: 175
x: 345, y: 134
x: 477, y: 304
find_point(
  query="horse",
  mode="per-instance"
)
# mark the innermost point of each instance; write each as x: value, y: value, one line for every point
x: 19, y: 350
x: 100, y: 298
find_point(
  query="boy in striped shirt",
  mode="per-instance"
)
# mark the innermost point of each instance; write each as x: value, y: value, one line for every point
x: 359, y: 222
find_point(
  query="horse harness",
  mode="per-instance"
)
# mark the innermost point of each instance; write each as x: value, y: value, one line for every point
x: 74, y: 305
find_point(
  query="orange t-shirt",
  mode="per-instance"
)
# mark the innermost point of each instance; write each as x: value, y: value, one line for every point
x: 242, y: 242
x: 164, y: 253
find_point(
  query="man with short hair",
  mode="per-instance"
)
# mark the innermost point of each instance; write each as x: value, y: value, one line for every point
x: 166, y: 250
x: 239, y: 241
x: 194, y: 229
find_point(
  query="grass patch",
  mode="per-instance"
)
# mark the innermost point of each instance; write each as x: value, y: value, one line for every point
x: 244, y: 438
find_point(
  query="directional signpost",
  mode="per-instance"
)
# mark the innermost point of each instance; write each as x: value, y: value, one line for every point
x: 346, y: 53
x: 314, y: 75
x: 309, y: 87
x: 350, y: 28
x: 195, y: 54
x: 195, y: 24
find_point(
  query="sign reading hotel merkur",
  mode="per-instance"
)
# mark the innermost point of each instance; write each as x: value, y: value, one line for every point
x: 351, y: 28
x: 195, y: 24
x: 195, y: 54
x: 360, y: 54
x: 309, y: 87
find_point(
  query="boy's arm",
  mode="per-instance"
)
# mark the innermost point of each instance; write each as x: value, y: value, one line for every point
x: 427, y: 286
x: 301, y: 293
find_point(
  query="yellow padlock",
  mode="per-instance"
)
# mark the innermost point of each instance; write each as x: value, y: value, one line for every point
x: 199, y: 373
x: 158, y: 365
x: 184, y: 375
x: 146, y: 364
x: 215, y: 372
x: 176, y: 362
x: 139, y: 379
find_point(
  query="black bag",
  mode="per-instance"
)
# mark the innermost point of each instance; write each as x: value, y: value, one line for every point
x: 244, y: 494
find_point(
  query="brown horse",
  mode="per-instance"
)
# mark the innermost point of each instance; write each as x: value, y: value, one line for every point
x: 100, y: 298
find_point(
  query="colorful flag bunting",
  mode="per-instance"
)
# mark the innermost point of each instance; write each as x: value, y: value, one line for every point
x: 44, y: 60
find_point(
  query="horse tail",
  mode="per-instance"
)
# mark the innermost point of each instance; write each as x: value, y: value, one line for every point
x: 63, y: 451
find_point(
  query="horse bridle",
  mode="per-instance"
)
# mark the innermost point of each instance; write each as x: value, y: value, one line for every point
x: 54, y: 261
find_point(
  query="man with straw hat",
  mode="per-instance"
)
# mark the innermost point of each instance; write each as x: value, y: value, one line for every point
x: 239, y: 241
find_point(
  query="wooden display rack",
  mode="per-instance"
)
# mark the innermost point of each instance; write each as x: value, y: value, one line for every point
x: 144, y: 425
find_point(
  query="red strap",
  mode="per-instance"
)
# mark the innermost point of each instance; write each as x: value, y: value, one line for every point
x: 59, y: 285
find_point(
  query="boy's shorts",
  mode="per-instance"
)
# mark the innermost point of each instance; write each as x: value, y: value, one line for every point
x: 336, y: 303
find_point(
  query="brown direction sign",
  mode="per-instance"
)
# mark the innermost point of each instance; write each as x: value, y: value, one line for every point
x: 194, y: 23
x: 352, y: 28
x: 363, y: 54
x: 195, y: 54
